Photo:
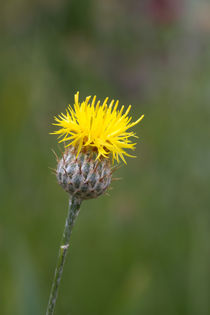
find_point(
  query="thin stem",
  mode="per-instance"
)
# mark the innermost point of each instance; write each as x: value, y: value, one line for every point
x: 74, y: 207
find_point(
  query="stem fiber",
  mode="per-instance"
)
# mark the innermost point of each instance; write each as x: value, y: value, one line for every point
x: 73, y: 211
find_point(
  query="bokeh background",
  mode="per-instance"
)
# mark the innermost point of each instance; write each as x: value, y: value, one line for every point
x: 145, y: 249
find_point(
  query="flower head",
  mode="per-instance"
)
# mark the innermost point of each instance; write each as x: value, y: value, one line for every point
x: 100, y: 127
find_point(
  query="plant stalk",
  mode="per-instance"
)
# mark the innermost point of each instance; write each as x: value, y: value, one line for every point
x: 73, y: 211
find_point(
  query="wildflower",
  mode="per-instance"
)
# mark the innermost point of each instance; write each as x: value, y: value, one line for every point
x: 94, y: 133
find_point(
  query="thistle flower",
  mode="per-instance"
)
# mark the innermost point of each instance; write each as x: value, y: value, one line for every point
x: 101, y: 128
x: 95, y: 136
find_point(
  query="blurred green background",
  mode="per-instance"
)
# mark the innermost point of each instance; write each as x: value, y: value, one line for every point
x: 144, y: 249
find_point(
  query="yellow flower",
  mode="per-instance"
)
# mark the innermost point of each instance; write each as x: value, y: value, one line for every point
x: 100, y: 127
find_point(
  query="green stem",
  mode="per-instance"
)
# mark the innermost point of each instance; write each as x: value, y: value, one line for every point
x: 74, y: 207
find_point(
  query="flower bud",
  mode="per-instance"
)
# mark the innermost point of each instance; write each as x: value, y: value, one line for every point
x: 83, y: 175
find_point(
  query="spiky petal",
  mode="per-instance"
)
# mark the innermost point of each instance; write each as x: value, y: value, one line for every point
x: 98, y: 127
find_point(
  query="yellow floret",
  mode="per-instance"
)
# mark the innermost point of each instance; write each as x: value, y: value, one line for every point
x: 102, y: 127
